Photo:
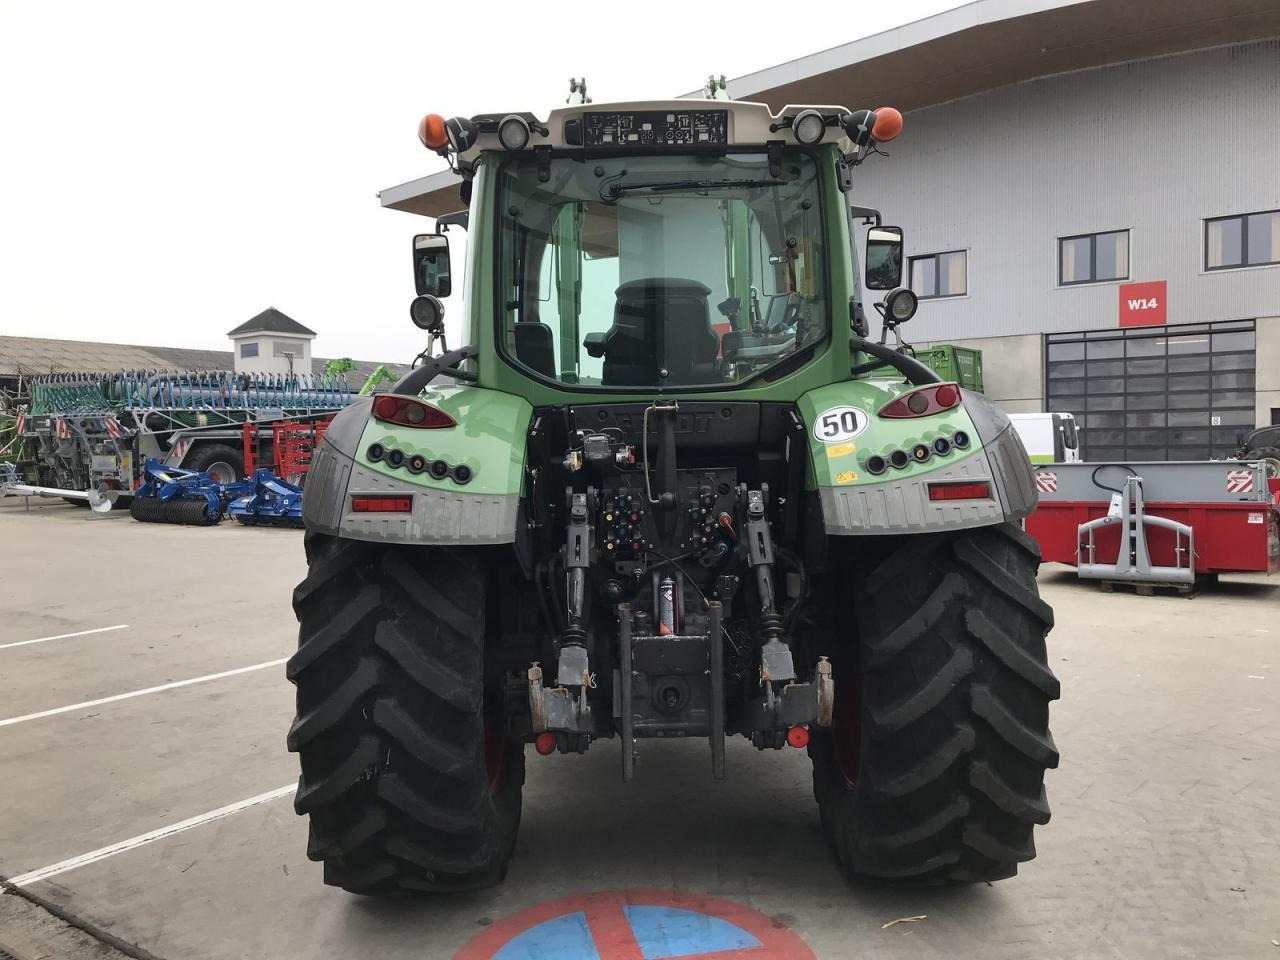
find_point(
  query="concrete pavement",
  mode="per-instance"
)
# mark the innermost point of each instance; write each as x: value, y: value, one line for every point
x: 1163, y: 841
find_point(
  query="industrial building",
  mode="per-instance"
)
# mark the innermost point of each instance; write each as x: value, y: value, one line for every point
x: 1090, y: 195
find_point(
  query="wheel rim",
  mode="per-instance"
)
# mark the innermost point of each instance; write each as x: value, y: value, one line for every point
x: 846, y: 727
x: 221, y: 471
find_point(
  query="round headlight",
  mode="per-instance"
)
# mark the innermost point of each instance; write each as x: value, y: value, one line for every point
x: 901, y: 304
x: 427, y: 312
x: 808, y: 126
x: 513, y: 133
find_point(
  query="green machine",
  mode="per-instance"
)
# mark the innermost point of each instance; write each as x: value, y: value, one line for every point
x: 670, y: 487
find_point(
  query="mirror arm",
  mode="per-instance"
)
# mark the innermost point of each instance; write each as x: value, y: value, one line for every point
x: 868, y: 214
x: 461, y: 218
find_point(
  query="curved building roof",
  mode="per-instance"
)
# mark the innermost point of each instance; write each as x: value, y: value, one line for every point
x: 971, y: 49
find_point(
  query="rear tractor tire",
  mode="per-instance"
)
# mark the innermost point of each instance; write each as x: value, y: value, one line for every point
x: 408, y: 781
x: 933, y: 768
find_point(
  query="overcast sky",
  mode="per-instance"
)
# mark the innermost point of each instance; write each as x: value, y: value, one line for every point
x: 169, y: 169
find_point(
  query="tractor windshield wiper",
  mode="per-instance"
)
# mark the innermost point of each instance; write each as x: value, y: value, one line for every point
x: 613, y: 190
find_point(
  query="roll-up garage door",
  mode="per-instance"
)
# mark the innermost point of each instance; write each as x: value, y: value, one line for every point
x: 1182, y: 392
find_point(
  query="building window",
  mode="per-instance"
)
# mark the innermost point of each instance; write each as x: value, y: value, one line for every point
x: 1249, y: 240
x: 248, y: 350
x: 281, y: 348
x: 1093, y: 257
x: 940, y: 275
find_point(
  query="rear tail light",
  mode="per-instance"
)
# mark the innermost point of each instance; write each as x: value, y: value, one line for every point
x: 924, y: 402
x: 408, y: 412
x: 959, y: 491
x: 545, y: 743
x: 381, y: 504
x: 798, y: 737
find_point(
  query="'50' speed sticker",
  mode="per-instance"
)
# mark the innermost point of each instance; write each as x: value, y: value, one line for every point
x: 837, y: 424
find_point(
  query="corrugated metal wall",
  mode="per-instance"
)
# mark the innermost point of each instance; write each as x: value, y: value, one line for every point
x: 1153, y: 146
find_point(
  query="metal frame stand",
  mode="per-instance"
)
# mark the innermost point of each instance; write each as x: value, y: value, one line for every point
x: 1133, y: 560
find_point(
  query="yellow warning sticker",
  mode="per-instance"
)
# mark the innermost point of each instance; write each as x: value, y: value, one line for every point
x: 848, y: 476
x: 841, y: 450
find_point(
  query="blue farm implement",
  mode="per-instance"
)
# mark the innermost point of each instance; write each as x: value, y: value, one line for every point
x: 269, y: 501
x: 177, y: 495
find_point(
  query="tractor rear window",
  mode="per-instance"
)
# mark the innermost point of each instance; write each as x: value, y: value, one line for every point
x: 660, y: 272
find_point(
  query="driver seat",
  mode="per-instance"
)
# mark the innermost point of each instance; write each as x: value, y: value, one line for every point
x: 661, y: 322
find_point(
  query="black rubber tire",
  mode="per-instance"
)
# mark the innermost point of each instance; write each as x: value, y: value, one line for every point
x: 193, y: 512
x: 948, y: 705
x: 396, y: 736
x: 204, y: 455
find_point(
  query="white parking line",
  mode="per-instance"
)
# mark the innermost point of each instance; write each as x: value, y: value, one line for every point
x: 44, y: 873
x: 138, y: 693
x: 64, y: 636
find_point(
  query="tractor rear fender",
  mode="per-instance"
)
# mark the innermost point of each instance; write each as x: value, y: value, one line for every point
x: 972, y: 442
x: 463, y: 483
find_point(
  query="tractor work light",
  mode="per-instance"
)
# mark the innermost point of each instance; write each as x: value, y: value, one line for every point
x: 924, y: 402
x: 857, y: 126
x: 408, y: 412
x: 513, y: 133
x: 462, y: 134
x: 432, y: 133
x: 808, y: 127
x: 427, y: 312
x: 383, y: 503
x: 901, y: 305
x: 966, y: 490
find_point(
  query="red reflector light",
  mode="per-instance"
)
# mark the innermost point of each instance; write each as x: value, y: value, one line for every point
x: 545, y: 744
x: 924, y: 402
x: 382, y: 504
x: 408, y: 412
x: 959, y: 491
x: 798, y: 737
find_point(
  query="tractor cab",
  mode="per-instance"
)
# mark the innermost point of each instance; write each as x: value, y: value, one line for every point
x: 662, y: 247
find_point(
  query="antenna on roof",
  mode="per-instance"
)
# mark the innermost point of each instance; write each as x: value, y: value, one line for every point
x: 577, y: 92
x: 716, y: 89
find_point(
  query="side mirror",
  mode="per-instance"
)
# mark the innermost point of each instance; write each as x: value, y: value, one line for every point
x: 431, y: 265
x: 884, y: 258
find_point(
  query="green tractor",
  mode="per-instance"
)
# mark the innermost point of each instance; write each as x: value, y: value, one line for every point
x: 669, y: 488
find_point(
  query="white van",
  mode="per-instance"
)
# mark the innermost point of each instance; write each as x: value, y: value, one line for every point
x: 1048, y: 437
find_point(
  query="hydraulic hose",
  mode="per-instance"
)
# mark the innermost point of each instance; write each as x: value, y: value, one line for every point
x: 911, y: 368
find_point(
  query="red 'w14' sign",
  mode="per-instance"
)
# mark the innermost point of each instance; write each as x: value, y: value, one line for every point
x: 1142, y: 304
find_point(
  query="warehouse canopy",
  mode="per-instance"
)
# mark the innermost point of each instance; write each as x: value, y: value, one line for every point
x: 965, y: 51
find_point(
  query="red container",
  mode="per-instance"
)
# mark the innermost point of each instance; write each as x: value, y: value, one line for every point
x: 1229, y: 537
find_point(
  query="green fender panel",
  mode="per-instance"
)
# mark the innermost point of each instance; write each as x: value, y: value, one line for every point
x: 844, y: 431
x: 489, y: 440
